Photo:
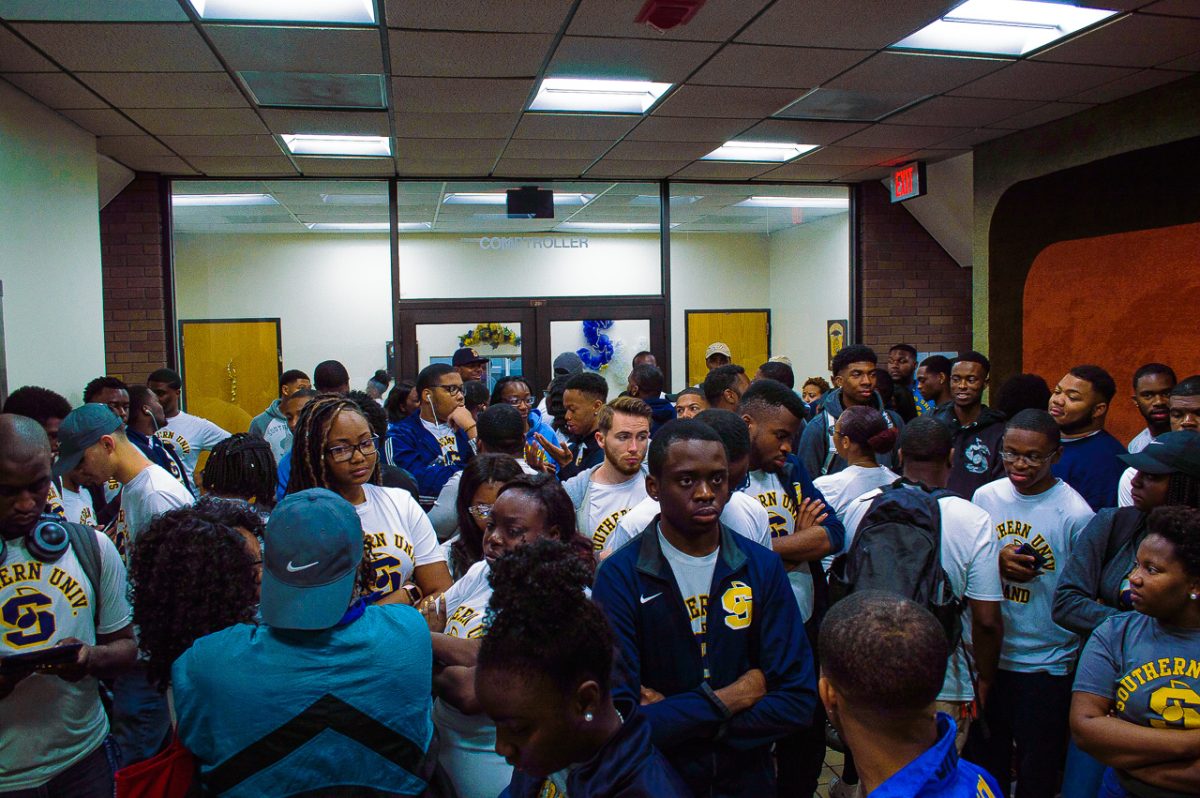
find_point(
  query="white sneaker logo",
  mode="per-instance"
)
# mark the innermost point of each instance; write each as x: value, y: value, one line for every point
x: 293, y: 569
x: 647, y: 599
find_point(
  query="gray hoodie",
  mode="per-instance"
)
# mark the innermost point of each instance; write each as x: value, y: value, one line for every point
x: 816, y: 446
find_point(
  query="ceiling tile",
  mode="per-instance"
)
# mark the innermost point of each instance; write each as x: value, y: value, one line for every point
x: 924, y: 74
x: 162, y: 164
x: 1138, y: 40
x: 467, y: 149
x: 726, y: 101
x: 121, y: 146
x: 518, y: 16
x: 541, y: 167
x: 644, y: 170
x: 716, y: 22
x: 443, y: 167
x: 591, y: 127
x: 662, y: 150
x: 801, y: 131
x: 1176, y: 8
x: 803, y: 171
x: 1123, y: 87
x: 440, y: 54
x: 362, y: 123
x: 961, y: 111
x: 936, y: 154
x: 872, y: 173
x: 687, y: 128
x: 866, y: 24
x: 723, y: 170
x: 973, y: 137
x: 344, y: 51
x: 57, y: 90
x: 122, y: 48
x: 460, y: 95
x: 636, y: 59
x: 464, y: 126
x: 565, y: 149
x: 1189, y: 63
x: 839, y: 155
x: 781, y: 67
x: 897, y: 136
x: 103, y: 122
x: 1040, y: 115
x: 372, y: 167
x: 196, y: 122
x: 94, y: 10
x: 248, y: 165
x: 250, y: 146
x: 154, y: 90
x: 1033, y: 80
x: 17, y: 56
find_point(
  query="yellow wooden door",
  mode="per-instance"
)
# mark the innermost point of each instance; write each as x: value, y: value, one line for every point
x: 230, y: 369
x: 747, y: 333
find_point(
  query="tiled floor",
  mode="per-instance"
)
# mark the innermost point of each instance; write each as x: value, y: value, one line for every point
x: 833, y: 767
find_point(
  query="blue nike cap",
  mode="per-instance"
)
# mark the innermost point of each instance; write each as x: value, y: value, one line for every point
x: 314, y: 545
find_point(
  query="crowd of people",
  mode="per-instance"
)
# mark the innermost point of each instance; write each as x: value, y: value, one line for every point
x: 456, y: 587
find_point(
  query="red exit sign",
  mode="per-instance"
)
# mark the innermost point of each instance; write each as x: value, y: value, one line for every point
x: 908, y: 181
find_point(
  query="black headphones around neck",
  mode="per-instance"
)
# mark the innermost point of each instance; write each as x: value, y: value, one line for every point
x: 48, y: 541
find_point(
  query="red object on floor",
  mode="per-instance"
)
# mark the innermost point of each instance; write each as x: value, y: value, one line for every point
x: 663, y: 15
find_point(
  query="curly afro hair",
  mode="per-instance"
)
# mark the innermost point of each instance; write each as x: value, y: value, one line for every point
x: 1179, y: 526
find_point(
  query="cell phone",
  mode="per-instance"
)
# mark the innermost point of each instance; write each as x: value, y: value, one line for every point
x: 32, y: 660
x: 1039, y: 559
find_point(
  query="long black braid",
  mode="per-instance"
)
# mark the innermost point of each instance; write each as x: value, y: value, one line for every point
x: 1183, y: 489
x: 310, y: 439
x: 243, y: 467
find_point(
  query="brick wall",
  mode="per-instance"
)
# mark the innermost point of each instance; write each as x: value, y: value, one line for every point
x: 911, y: 291
x: 133, y: 266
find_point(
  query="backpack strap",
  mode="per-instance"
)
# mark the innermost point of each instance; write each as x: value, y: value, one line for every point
x: 87, y: 551
x: 830, y: 449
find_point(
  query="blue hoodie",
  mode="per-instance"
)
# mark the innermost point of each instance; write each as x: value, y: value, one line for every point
x: 661, y: 411
x: 628, y: 766
x: 417, y: 452
x: 716, y: 753
x: 538, y: 424
x: 939, y: 773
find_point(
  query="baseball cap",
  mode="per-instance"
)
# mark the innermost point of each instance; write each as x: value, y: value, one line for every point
x: 1166, y: 454
x: 467, y: 356
x: 567, y: 363
x: 311, y: 562
x: 784, y: 359
x: 717, y: 348
x: 81, y: 429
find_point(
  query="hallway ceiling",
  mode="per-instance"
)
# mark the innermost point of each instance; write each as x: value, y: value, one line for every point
x: 166, y: 92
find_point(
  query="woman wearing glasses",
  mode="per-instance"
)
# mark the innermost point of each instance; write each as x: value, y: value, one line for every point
x: 335, y: 449
x: 515, y: 391
x: 481, y: 481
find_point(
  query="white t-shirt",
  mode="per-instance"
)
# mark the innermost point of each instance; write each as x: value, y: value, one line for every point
x: 1125, y: 488
x: 971, y: 559
x: 401, y: 536
x: 1049, y: 522
x: 191, y: 435
x: 843, y: 487
x: 742, y: 514
x: 782, y: 514
x: 279, y: 436
x: 1140, y: 441
x: 48, y: 724
x: 606, y: 504
x: 152, y: 492
x: 694, y: 576
x: 444, y: 434
x: 74, y: 506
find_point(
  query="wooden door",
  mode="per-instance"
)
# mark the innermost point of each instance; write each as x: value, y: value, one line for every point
x: 230, y: 368
x: 746, y: 332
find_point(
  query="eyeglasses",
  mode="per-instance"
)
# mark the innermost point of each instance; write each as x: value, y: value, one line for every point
x: 1032, y: 459
x: 517, y: 401
x: 345, y: 453
x: 483, y: 511
x: 453, y: 390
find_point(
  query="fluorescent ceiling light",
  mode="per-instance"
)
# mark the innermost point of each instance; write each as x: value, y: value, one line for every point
x: 793, y: 202
x: 355, y: 199
x: 1003, y: 27
x: 365, y: 227
x: 197, y: 200
x: 654, y: 200
x: 758, y: 151
x: 610, y: 227
x: 500, y: 198
x: 322, y: 145
x: 597, y: 96
x: 352, y: 12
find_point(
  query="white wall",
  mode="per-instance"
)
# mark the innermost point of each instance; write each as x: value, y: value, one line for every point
x: 809, y: 284
x: 53, y: 306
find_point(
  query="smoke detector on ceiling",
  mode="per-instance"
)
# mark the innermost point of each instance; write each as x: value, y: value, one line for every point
x: 662, y: 15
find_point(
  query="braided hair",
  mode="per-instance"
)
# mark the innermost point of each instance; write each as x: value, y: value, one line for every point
x: 242, y: 466
x: 310, y: 439
x: 1183, y: 490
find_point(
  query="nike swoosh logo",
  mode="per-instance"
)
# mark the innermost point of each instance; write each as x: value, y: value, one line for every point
x: 293, y: 569
x: 647, y: 599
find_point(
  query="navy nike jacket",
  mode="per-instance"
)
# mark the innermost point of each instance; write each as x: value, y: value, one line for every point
x: 418, y: 452
x: 752, y: 622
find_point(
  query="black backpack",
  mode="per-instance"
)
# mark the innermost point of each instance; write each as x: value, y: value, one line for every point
x: 898, y: 549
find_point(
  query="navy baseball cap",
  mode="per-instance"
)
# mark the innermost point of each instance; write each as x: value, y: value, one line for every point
x: 310, y: 563
x: 466, y: 356
x: 1166, y: 454
x: 81, y: 429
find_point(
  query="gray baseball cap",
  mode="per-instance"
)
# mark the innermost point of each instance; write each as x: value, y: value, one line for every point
x: 567, y: 363
x: 315, y: 545
x: 80, y: 430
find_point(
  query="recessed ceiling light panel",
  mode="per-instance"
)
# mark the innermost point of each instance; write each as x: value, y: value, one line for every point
x: 585, y: 95
x: 794, y: 202
x: 200, y: 200
x: 346, y: 12
x: 364, y: 227
x: 758, y: 151
x: 610, y: 227
x: 501, y: 198
x: 1003, y: 27
x: 337, y: 146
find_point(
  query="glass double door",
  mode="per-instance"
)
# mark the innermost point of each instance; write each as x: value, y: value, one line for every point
x: 525, y: 336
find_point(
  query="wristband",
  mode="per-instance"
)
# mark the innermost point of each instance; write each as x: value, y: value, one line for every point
x: 413, y: 592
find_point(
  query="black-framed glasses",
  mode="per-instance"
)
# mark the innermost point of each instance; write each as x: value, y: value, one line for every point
x: 1032, y: 458
x: 453, y: 390
x: 344, y: 453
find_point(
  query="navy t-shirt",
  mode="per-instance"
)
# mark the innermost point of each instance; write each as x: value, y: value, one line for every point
x: 1090, y: 466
